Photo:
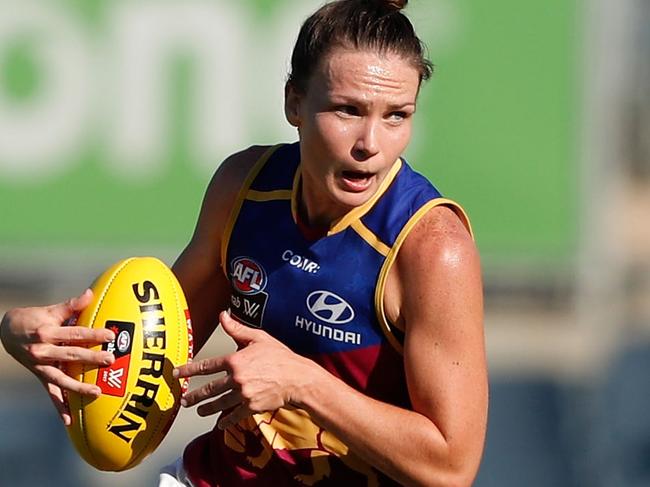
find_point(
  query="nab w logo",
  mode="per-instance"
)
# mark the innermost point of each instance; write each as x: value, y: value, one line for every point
x: 251, y: 309
x: 115, y: 378
x: 329, y: 307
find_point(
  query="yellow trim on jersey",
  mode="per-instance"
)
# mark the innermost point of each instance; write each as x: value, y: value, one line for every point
x: 261, y: 196
x: 392, y: 255
x: 370, y: 237
x: 356, y: 213
x: 294, y: 194
x: 239, y: 201
x: 359, y: 211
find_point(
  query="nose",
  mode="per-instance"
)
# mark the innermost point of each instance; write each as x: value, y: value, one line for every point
x: 367, y: 141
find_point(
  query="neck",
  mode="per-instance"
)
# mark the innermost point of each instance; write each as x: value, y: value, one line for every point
x: 314, y: 209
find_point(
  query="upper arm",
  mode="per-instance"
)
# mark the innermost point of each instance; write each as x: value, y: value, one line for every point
x: 198, y: 267
x: 441, y: 307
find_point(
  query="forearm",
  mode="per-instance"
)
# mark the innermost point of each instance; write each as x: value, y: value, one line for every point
x: 205, y: 318
x: 404, y: 444
x: 206, y: 293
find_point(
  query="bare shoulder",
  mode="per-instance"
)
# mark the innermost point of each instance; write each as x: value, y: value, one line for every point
x: 441, y: 237
x: 217, y: 204
x: 222, y: 192
x: 437, y: 258
x: 236, y: 167
x: 228, y: 179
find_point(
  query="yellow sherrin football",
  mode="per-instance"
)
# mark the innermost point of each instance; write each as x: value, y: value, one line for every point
x: 142, y: 302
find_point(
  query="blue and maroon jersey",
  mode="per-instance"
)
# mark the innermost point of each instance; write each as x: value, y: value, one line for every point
x: 323, y: 298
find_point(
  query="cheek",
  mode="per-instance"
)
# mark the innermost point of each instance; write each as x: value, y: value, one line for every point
x: 329, y: 126
x: 397, y: 140
x: 330, y: 135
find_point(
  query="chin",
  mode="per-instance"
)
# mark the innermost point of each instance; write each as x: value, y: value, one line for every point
x: 349, y: 200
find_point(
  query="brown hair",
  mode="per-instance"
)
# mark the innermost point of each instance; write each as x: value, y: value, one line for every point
x: 367, y: 24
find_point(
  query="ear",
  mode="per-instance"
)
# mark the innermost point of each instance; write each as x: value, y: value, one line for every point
x: 292, y: 100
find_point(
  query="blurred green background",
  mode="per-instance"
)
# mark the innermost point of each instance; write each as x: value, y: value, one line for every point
x: 109, y: 116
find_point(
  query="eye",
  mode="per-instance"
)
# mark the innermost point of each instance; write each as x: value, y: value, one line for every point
x: 348, y: 110
x: 397, y: 116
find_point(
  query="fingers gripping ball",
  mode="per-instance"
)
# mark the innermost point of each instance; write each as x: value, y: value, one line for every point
x: 142, y: 302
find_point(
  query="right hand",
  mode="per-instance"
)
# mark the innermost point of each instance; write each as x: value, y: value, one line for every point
x: 37, y: 338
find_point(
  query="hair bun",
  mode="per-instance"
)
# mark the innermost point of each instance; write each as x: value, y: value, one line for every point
x: 394, y: 4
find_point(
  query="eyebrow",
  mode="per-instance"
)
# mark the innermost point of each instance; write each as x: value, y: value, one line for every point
x: 351, y: 99
x: 397, y: 106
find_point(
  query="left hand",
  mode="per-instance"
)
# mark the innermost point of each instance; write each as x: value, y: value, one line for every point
x: 263, y: 375
x: 37, y: 338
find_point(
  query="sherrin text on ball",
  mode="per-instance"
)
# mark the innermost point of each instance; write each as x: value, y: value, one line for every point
x: 141, y: 301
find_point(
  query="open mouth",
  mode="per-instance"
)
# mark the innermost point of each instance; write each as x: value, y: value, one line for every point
x: 357, y: 180
x: 356, y: 175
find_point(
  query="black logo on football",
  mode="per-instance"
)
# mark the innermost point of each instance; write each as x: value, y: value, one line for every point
x: 123, y: 342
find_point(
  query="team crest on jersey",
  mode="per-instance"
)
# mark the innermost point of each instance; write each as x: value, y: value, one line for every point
x: 248, y: 299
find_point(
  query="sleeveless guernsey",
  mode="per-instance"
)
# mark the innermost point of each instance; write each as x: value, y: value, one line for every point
x: 323, y: 299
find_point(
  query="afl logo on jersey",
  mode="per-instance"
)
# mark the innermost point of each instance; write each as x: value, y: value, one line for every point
x: 248, y: 277
x: 330, y: 308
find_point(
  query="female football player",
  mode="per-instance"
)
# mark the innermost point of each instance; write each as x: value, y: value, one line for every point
x: 350, y: 285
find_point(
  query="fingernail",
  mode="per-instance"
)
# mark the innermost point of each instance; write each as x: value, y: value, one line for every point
x: 110, y: 336
x: 176, y: 373
x: 96, y: 391
x: 183, y: 402
x: 108, y: 359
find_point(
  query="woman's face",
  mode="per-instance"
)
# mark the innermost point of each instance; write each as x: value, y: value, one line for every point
x: 354, y: 121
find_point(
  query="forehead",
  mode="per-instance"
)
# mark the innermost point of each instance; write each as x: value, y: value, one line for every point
x: 344, y: 70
